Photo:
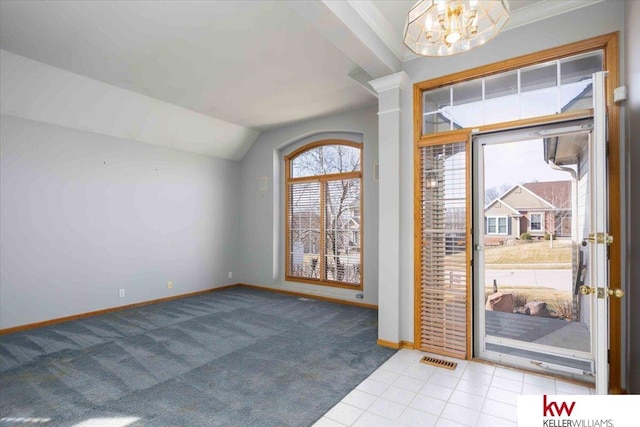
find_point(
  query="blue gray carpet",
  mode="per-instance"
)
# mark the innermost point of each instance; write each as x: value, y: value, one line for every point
x: 236, y: 357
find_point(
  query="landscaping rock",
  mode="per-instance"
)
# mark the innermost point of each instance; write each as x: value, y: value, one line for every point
x: 538, y: 309
x: 521, y: 310
x: 500, y: 302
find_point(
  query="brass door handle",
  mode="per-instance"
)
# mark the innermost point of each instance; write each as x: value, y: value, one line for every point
x: 618, y: 293
x: 586, y: 290
x: 599, y: 238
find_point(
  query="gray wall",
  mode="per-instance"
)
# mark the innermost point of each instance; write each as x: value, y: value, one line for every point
x: 632, y: 53
x: 262, y: 212
x: 84, y: 215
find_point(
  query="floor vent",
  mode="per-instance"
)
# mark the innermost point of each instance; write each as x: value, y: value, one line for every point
x: 439, y: 362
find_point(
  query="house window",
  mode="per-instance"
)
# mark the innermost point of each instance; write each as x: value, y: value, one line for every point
x: 491, y: 225
x: 324, y: 214
x: 535, y: 222
x: 497, y: 225
x: 502, y: 225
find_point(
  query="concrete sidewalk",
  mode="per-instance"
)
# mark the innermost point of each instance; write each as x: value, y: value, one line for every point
x: 560, y: 279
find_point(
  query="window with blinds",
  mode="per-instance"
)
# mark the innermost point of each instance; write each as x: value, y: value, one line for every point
x: 443, y: 274
x: 324, y: 214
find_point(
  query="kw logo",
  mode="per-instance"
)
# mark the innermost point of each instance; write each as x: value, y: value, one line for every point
x: 548, y: 408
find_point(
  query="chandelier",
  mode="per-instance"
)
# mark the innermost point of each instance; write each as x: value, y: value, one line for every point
x: 447, y: 27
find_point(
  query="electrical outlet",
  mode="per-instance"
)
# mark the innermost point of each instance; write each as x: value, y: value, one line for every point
x: 121, y: 293
x: 231, y: 275
x: 170, y: 284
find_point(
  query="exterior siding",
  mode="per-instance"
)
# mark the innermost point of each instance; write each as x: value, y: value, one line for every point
x: 521, y: 197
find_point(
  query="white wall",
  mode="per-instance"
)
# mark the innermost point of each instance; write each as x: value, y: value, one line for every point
x: 262, y: 213
x: 592, y: 21
x: 36, y: 91
x: 84, y: 215
x: 632, y: 53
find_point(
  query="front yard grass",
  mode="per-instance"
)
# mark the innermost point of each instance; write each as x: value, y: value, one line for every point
x: 530, y: 253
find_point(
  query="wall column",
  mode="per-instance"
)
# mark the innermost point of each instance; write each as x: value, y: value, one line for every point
x: 389, y: 136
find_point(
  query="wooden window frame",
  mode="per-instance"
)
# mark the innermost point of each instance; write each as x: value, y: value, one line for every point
x: 323, y: 179
x: 609, y: 44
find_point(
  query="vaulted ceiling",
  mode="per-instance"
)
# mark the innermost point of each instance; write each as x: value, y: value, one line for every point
x: 254, y: 64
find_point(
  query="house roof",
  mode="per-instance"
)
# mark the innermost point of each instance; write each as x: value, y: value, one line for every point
x: 557, y: 193
x: 552, y: 194
x: 515, y: 211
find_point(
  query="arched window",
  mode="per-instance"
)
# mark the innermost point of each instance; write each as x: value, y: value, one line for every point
x: 324, y: 214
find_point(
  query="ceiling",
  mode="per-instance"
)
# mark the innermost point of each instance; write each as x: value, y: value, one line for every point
x: 255, y: 64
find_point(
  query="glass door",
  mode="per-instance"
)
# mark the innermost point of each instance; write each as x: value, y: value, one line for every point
x: 532, y: 215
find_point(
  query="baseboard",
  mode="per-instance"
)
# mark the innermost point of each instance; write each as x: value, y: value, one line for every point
x: 173, y: 297
x: 106, y: 310
x: 395, y: 345
x: 389, y: 344
x: 312, y: 296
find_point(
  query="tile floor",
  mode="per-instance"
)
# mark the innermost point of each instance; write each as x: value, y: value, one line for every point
x: 405, y: 392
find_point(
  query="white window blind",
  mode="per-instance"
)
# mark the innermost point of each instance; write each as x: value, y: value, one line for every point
x: 304, y: 230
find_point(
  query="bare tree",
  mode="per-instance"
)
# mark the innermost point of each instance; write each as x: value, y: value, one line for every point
x: 341, y: 195
x: 558, y: 194
x: 490, y: 194
x: 560, y: 197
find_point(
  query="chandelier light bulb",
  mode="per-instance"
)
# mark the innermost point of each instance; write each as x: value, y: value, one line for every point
x: 452, y: 37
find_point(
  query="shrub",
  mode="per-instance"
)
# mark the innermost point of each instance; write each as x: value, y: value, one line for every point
x: 519, y: 299
x: 548, y: 236
x: 525, y: 236
x: 563, y: 309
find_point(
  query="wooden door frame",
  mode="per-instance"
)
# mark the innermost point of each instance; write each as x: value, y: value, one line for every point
x: 609, y: 44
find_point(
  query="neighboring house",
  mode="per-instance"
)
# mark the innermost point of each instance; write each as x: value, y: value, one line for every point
x: 305, y: 226
x: 536, y: 208
x: 353, y: 224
